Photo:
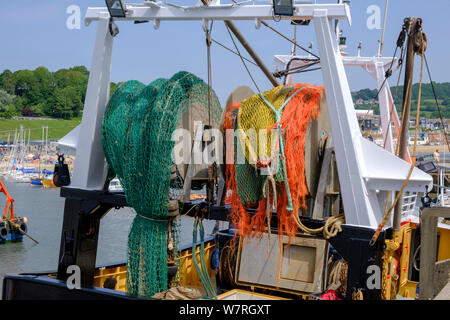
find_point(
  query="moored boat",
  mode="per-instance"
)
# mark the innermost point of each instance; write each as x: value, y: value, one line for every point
x: 12, y: 228
x: 48, y: 183
x: 36, y: 182
x: 331, y: 245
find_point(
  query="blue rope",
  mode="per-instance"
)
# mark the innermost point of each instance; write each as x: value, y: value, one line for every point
x: 278, y: 112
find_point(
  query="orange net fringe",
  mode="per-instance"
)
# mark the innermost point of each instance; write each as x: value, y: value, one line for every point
x: 300, y: 110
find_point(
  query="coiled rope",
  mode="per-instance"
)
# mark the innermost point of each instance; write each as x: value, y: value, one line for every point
x: 332, y: 226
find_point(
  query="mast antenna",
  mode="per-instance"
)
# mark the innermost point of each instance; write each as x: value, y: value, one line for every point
x: 381, y: 41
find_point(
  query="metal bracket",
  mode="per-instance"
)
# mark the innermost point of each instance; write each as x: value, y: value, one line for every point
x: 319, y: 203
x: 79, y: 235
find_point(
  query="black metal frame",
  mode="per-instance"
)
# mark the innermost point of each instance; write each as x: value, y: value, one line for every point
x: 353, y: 245
x: 79, y: 236
x: 82, y: 213
x: 79, y: 239
x: 41, y: 287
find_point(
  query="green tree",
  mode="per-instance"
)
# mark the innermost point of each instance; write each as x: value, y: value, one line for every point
x: 67, y: 103
x: 112, y: 87
x: 8, y: 81
x: 446, y: 102
x: 72, y: 78
x: 45, y: 83
x: 27, y: 87
x: 7, y: 108
x: 38, y: 109
x: 81, y: 69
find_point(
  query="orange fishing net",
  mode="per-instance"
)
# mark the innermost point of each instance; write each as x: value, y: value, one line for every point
x: 245, y: 181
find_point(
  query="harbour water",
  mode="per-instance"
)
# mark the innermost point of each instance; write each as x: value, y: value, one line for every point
x: 44, y: 209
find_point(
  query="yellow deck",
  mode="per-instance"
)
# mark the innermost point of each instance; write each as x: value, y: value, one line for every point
x: 189, y: 275
x: 190, y: 278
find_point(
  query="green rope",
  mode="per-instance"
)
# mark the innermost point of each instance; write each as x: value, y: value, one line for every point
x: 289, y: 207
x: 201, y: 270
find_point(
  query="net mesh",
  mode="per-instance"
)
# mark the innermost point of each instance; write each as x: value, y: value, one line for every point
x: 254, y: 118
x: 245, y: 180
x: 137, y: 141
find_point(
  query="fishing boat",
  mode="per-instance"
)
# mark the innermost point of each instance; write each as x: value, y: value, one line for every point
x: 48, y: 183
x: 321, y: 210
x: 19, y: 176
x: 12, y: 228
x: 115, y: 185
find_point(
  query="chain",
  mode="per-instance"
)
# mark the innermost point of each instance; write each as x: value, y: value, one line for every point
x: 384, y: 279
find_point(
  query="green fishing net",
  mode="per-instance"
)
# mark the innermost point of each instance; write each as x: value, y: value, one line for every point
x: 137, y: 141
x: 249, y: 181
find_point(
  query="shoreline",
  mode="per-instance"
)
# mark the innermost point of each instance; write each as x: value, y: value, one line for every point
x: 429, y: 149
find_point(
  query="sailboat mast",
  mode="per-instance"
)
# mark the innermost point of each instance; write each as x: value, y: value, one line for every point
x: 40, y: 151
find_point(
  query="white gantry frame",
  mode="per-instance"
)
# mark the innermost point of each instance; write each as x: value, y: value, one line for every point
x: 376, y: 67
x: 365, y: 171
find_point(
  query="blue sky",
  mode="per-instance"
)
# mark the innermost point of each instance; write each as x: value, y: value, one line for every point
x: 34, y: 33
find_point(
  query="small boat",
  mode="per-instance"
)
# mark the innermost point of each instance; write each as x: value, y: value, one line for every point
x: 36, y: 182
x: 48, y: 183
x: 19, y: 177
x: 115, y: 185
x: 11, y: 228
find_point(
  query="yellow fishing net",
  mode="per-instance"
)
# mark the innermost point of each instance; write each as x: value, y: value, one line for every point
x: 287, y: 110
x: 254, y: 118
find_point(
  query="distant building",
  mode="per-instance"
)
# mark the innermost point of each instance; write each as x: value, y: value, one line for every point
x: 364, y: 113
x: 371, y: 122
x: 446, y: 124
x: 429, y: 124
x: 437, y: 125
x: 422, y: 137
x: 423, y: 122
x: 436, y: 138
